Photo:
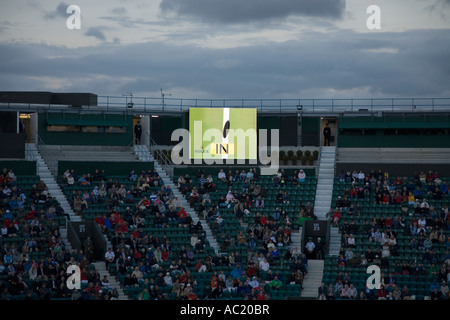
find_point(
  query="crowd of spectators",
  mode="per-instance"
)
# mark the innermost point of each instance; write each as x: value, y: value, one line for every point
x: 136, y: 251
x: 425, y: 227
x: 381, y: 188
x: 266, y: 234
x: 163, y: 271
x: 34, y: 257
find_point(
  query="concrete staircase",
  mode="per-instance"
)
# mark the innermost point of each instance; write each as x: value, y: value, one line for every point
x: 335, y: 241
x: 33, y: 154
x: 313, y: 279
x: 325, y: 179
x: 67, y: 245
x: 100, y: 267
x: 296, y: 239
x: 143, y: 154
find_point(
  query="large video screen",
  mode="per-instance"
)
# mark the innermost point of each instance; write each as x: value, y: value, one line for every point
x: 222, y: 133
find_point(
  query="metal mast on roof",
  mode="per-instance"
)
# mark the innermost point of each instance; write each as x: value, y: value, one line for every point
x: 162, y: 96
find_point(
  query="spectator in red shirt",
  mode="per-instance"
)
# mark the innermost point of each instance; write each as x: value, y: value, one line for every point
x: 99, y: 220
x: 385, y: 198
x: 194, y: 196
x: 264, y: 220
x: 135, y: 233
x: 97, y: 287
x: 336, y: 216
x: 165, y: 254
x: 115, y: 217
x: 261, y: 295
x: 30, y: 215
x: 122, y: 227
x: 388, y: 221
x: 83, y: 276
x: 7, y: 223
x: 287, y: 231
x: 429, y: 177
x: 354, y: 192
x: 191, y: 294
x: 381, y: 293
x: 145, y: 202
x: 398, y: 181
x: 182, y: 215
x: 137, y: 255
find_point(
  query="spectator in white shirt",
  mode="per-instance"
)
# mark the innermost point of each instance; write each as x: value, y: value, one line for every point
x: 109, y: 257
x: 310, y: 248
x: 264, y: 265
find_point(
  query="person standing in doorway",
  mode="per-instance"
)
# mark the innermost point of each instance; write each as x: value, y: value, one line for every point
x: 89, y: 249
x: 137, y: 133
x: 22, y: 128
x: 310, y: 249
x: 320, y: 249
x: 327, y: 135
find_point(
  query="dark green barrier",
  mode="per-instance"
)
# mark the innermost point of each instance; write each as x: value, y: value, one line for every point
x: 20, y: 168
x: 111, y: 168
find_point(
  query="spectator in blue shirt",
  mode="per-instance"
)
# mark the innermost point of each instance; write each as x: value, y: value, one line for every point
x: 250, y: 175
x: 418, y: 193
x: 444, y: 187
x: 276, y: 215
x: 8, y: 258
x: 108, y: 225
x: 132, y: 176
x: 237, y: 272
x: 433, y: 285
x: 274, y: 254
x: 202, y: 180
x: 153, y: 196
x: 84, y: 181
x: 7, y: 214
x: 20, y: 202
x: 13, y: 204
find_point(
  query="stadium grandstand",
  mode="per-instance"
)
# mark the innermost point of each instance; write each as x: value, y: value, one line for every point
x: 353, y: 204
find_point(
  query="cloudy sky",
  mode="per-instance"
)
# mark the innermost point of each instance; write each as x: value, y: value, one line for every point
x: 223, y: 49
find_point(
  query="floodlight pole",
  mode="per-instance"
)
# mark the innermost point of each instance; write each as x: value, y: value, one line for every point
x: 162, y: 96
x: 128, y: 94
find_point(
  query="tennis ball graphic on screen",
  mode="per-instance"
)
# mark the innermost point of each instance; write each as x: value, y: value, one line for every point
x: 226, y: 127
x: 224, y: 133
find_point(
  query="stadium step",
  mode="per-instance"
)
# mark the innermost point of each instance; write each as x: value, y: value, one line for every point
x: 33, y: 154
x: 296, y: 238
x: 335, y: 241
x: 312, y: 279
x: 100, y: 268
x: 54, y: 190
x: 145, y: 155
x: 63, y: 232
x: 325, y: 178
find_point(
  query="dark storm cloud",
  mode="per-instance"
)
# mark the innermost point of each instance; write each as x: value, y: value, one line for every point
x: 119, y: 10
x: 240, y: 11
x: 59, y: 12
x: 96, y: 33
x: 408, y: 64
x: 5, y: 26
